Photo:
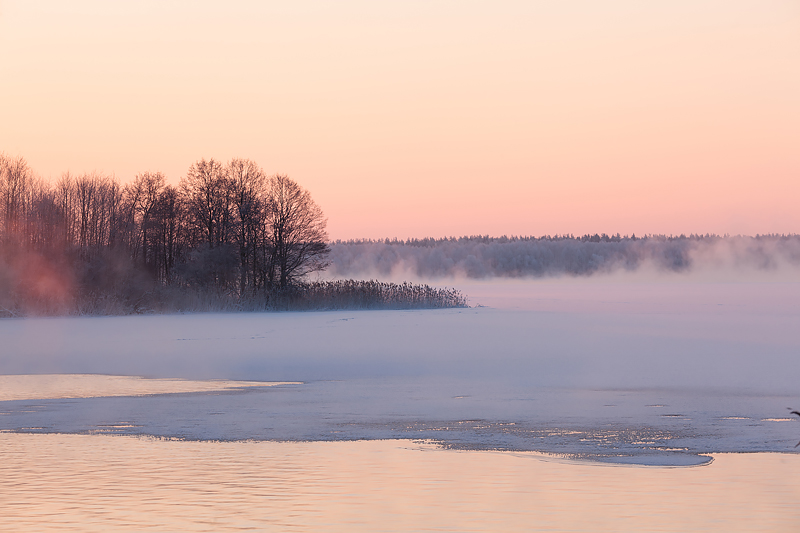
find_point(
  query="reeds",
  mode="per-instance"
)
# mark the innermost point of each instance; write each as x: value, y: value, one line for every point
x: 308, y: 296
x: 354, y: 294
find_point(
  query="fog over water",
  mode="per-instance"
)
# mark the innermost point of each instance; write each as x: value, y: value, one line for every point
x: 641, y: 371
x: 770, y: 257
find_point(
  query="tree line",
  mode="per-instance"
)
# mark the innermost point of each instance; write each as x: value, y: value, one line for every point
x: 563, y: 255
x: 244, y: 229
x: 228, y: 236
x: 429, y: 242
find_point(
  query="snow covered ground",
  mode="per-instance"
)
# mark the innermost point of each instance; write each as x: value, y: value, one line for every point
x: 654, y: 372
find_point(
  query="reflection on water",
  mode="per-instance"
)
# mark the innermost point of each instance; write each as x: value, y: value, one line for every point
x: 101, y: 483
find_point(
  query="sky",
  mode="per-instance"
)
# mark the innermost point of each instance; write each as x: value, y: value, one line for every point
x: 429, y: 118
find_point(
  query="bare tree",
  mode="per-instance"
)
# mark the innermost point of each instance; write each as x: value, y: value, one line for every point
x: 297, y: 239
x: 85, y: 191
x: 205, y: 189
x: 96, y: 200
x: 207, y: 196
x: 65, y: 200
x: 15, y: 176
x: 44, y: 217
x: 246, y: 185
x: 142, y: 195
x: 167, y: 232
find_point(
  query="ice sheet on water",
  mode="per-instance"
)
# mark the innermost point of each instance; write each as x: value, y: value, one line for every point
x: 630, y: 426
x: 24, y: 387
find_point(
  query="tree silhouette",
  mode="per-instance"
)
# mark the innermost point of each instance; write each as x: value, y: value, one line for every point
x: 205, y: 191
x: 246, y: 182
x: 142, y: 195
x: 297, y: 239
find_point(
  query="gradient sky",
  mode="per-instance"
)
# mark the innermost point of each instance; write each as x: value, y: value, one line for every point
x: 430, y: 118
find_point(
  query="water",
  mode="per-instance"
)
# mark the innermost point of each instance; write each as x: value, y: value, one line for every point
x: 649, y: 401
x: 101, y: 483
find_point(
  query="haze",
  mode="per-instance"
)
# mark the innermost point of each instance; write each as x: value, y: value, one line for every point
x: 419, y: 119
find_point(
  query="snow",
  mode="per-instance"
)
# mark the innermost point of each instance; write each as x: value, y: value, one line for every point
x: 609, y: 369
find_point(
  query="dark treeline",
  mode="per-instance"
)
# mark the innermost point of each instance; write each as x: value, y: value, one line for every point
x: 428, y: 242
x: 486, y: 257
x: 227, y: 237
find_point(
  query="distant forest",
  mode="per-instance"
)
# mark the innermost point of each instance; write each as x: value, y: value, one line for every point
x: 513, y: 257
x: 228, y: 237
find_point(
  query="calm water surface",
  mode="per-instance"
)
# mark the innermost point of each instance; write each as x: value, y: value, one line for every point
x: 119, y: 483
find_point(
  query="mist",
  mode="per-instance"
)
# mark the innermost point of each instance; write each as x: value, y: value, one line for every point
x: 763, y: 257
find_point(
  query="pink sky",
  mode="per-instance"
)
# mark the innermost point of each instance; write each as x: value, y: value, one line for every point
x: 427, y: 118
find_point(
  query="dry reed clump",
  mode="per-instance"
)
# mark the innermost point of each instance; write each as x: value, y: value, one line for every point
x: 373, y: 294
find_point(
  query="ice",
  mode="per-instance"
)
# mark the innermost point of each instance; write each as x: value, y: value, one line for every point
x: 28, y: 387
x: 632, y: 372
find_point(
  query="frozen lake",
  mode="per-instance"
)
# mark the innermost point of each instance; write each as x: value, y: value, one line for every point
x: 637, y: 372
